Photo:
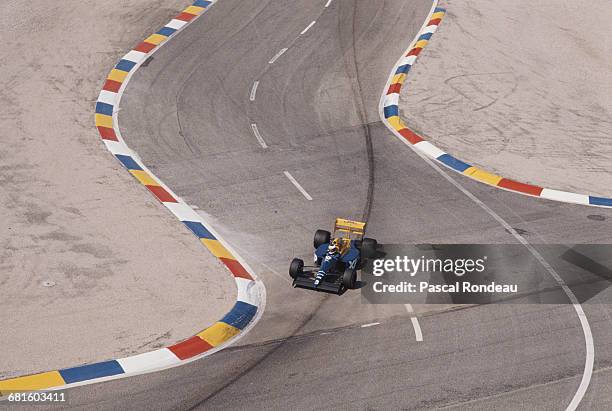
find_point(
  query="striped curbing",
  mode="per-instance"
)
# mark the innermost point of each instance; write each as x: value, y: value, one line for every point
x: 251, y: 293
x: 391, y: 117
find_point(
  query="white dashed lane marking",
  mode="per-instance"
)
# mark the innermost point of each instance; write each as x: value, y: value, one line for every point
x: 308, y: 27
x: 415, y: 323
x: 258, y: 136
x: 280, y: 53
x: 298, y: 186
x: 254, y: 90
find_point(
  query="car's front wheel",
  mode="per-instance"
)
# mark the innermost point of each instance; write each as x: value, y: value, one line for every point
x: 296, y: 268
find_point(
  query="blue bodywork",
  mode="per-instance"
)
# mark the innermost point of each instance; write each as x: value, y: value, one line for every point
x: 330, y: 262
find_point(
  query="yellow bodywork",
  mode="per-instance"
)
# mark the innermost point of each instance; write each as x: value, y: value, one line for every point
x: 348, y: 230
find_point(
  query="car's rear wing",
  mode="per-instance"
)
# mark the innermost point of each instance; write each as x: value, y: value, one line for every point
x: 352, y: 229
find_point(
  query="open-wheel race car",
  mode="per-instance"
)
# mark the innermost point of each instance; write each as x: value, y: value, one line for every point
x: 337, y: 258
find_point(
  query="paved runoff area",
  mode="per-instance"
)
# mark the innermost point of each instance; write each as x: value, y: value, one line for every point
x: 93, y: 267
x: 521, y: 89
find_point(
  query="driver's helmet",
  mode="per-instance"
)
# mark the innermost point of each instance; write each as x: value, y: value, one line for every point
x: 334, y: 246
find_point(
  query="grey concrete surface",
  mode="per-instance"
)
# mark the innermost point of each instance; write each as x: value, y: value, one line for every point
x: 188, y: 115
x: 522, y: 89
x: 128, y: 277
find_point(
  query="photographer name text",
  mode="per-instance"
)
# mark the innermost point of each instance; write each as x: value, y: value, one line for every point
x: 457, y: 287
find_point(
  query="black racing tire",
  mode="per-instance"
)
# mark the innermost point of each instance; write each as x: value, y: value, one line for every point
x: 349, y: 278
x: 321, y: 237
x: 368, y: 247
x: 296, y: 268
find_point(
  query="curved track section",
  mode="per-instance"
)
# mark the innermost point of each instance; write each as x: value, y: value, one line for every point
x: 313, y: 94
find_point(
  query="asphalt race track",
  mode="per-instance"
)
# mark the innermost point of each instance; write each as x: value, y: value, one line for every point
x: 190, y: 112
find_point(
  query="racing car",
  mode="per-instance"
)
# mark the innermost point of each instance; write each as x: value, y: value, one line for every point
x: 337, y: 258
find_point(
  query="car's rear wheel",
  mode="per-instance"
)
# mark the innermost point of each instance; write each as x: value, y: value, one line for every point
x: 321, y: 237
x: 296, y: 268
x: 349, y: 278
x: 368, y: 247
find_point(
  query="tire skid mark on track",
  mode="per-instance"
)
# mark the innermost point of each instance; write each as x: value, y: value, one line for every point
x: 200, y: 401
x: 367, y: 208
x: 352, y: 67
